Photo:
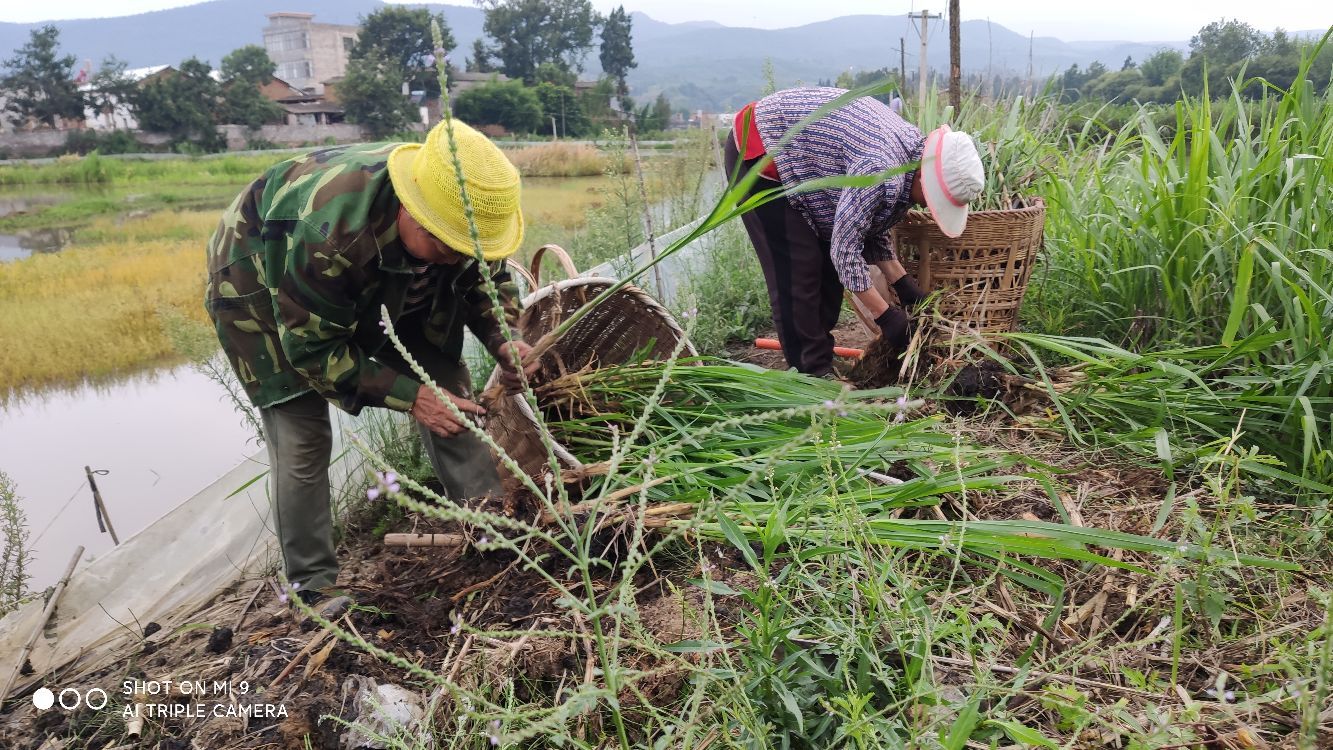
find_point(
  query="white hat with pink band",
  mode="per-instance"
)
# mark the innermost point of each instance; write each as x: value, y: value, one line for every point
x: 951, y: 177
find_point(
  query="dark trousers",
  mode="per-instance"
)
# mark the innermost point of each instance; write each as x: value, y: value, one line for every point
x: 803, y: 287
x: 300, y: 443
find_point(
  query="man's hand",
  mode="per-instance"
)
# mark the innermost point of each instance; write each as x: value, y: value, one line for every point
x: 437, y: 416
x: 509, y: 377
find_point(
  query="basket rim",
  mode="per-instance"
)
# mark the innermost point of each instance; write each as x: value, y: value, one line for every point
x: 524, y: 408
x: 1039, y: 206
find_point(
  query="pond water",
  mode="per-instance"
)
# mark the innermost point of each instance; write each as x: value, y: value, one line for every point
x: 32, y: 241
x: 162, y: 437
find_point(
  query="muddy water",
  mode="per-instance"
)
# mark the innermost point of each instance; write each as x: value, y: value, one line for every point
x: 161, y: 437
x: 32, y: 241
x: 23, y: 243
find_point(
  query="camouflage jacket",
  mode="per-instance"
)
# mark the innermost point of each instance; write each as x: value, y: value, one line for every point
x: 299, y: 267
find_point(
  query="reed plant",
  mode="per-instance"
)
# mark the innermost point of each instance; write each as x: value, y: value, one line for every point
x: 1207, y: 238
x: 562, y: 159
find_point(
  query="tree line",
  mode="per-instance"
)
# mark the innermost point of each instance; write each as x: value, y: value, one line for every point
x: 187, y: 103
x: 1222, y: 51
x: 540, y: 45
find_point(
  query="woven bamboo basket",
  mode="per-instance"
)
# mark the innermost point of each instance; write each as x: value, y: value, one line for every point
x: 629, y: 322
x: 984, y: 272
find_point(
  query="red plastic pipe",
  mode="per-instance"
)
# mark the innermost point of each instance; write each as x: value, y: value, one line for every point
x: 841, y: 351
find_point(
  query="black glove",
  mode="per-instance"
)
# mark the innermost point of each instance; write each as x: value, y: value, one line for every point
x: 895, y: 326
x: 908, y: 292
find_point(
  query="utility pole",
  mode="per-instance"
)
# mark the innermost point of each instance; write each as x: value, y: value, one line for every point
x: 955, y: 61
x: 1029, y: 64
x: 902, y: 62
x: 925, y: 17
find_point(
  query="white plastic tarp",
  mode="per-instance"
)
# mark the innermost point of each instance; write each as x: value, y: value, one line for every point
x: 175, y: 565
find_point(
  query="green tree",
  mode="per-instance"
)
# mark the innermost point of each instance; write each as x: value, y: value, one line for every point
x: 39, y: 85
x: 1161, y: 65
x: 528, y: 33
x: 1277, y: 61
x: 401, y: 37
x: 656, y: 116
x: 596, y: 105
x: 1219, y: 48
x: 1121, y: 85
x: 480, y: 62
x: 250, y: 64
x: 372, y: 96
x: 506, y: 103
x: 184, y: 104
x: 110, y: 88
x: 1129, y: 63
x: 617, y: 52
x: 244, y: 70
x: 561, y: 105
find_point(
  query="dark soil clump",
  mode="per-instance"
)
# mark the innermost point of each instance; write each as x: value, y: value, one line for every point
x: 878, y: 366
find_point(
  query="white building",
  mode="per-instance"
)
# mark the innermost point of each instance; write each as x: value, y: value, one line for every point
x: 119, y: 116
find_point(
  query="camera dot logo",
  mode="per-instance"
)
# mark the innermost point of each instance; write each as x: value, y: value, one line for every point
x: 43, y: 699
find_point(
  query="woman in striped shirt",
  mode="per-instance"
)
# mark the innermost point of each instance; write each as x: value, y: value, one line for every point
x: 812, y: 245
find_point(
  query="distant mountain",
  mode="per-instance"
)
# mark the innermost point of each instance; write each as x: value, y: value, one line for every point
x: 699, y: 65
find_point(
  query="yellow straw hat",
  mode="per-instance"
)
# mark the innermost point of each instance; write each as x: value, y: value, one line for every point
x: 424, y: 178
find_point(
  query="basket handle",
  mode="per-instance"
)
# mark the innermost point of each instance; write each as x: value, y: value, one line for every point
x: 517, y: 268
x: 566, y: 262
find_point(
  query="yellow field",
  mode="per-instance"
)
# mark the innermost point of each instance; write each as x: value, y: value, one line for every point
x: 92, y: 310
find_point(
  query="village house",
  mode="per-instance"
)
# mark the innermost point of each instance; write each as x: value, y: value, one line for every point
x: 308, y: 53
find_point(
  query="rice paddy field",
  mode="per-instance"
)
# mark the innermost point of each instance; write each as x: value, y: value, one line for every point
x: 130, y: 237
x: 1116, y: 537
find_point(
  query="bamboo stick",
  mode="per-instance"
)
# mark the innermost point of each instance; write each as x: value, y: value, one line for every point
x: 41, y: 623
x: 424, y: 540
x: 102, y: 515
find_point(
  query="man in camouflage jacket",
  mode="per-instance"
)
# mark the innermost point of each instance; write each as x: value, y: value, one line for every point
x: 298, y: 270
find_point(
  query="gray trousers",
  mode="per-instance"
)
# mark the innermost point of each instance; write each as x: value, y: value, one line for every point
x: 300, y: 443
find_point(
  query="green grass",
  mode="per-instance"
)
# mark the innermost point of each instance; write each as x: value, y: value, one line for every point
x: 96, y: 170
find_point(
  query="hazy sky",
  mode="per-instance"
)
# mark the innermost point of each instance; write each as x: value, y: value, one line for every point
x: 1138, y: 20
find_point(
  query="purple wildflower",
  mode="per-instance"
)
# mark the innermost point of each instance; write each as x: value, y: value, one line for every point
x: 494, y: 733
x: 373, y: 493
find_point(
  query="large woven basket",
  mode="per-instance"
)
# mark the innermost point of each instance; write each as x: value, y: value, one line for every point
x: 628, y: 323
x: 984, y: 272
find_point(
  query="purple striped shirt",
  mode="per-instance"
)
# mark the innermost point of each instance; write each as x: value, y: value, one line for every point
x: 863, y: 137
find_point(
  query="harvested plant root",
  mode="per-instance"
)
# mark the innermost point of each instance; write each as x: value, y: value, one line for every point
x: 879, y: 365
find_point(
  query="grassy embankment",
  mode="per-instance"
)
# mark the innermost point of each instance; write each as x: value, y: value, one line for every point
x: 90, y: 310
